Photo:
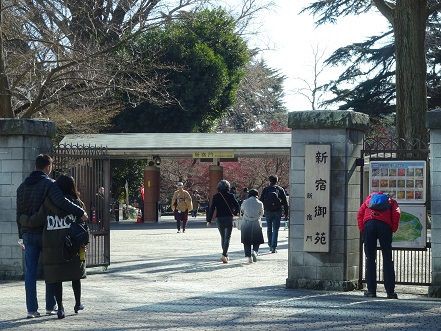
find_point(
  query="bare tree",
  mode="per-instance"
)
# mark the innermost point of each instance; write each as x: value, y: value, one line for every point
x: 61, y: 49
x: 311, y: 89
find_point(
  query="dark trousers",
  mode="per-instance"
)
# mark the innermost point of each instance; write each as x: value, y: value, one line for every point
x: 181, y: 216
x: 247, y: 249
x: 374, y: 230
x: 58, y: 289
x: 225, y: 226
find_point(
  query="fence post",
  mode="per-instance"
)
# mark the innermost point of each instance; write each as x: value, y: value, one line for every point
x: 336, y: 269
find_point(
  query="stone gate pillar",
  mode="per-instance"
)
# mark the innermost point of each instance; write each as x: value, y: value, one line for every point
x: 338, y: 268
x: 20, y: 143
x: 215, y: 174
x: 151, y: 193
x: 433, y: 122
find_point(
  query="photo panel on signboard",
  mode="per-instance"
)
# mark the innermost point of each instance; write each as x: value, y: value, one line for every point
x: 406, y: 180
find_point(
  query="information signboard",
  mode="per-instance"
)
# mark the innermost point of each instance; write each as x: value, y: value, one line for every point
x: 405, y: 181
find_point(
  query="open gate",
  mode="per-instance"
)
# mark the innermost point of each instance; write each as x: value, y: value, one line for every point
x: 413, y: 266
x: 90, y: 166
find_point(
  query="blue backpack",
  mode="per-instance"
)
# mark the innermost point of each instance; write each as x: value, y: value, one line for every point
x: 379, y: 201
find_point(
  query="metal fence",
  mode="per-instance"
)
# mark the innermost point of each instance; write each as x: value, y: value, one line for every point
x: 90, y: 166
x: 413, y: 266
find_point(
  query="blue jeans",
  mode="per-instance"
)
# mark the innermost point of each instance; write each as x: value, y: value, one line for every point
x: 33, y: 246
x: 374, y: 230
x: 272, y: 227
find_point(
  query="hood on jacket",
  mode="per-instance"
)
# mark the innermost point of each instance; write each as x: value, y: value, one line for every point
x: 35, y: 177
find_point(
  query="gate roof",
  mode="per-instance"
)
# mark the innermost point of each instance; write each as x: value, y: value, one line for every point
x: 134, y: 145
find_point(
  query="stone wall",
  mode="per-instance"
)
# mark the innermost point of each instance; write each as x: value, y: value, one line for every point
x: 344, y: 131
x: 20, y: 142
x: 433, y: 121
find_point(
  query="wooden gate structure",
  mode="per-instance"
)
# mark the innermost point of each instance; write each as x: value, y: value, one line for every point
x: 90, y: 167
x: 413, y: 266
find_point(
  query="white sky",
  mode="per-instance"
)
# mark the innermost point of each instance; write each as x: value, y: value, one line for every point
x: 291, y: 38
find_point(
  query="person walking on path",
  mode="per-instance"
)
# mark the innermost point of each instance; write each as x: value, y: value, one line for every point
x: 251, y: 212
x: 195, y: 200
x: 181, y: 203
x: 225, y: 205
x: 30, y: 196
x: 274, y: 202
x: 63, y: 259
x: 379, y: 217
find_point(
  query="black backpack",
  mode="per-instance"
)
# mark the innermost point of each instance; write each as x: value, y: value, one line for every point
x: 271, y: 200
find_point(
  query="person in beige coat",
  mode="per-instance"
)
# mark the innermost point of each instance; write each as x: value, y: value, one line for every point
x: 251, y: 212
x: 181, y: 204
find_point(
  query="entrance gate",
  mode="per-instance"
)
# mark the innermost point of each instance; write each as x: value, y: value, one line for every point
x: 90, y: 166
x: 413, y: 266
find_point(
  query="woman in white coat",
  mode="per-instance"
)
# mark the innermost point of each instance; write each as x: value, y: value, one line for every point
x: 251, y: 212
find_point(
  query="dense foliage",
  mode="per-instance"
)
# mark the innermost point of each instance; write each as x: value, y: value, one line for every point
x: 203, y: 61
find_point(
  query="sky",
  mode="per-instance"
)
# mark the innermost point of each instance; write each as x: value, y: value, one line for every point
x: 290, y: 38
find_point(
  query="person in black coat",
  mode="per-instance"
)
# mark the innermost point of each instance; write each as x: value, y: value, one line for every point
x: 225, y: 205
x: 30, y: 196
x: 64, y: 268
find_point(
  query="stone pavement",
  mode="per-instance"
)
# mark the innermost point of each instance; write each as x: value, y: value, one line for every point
x: 159, y: 279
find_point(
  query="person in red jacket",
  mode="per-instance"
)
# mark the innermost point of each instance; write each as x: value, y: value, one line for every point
x: 379, y: 222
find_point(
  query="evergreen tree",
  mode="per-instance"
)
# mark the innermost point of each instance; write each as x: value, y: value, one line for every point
x: 409, y: 20
x: 203, y: 60
x: 259, y: 100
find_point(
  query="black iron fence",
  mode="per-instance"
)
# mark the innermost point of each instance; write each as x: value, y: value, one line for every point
x: 90, y: 167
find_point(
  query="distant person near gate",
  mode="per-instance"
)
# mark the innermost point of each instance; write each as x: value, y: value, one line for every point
x: 181, y: 203
x: 378, y: 217
x: 274, y: 203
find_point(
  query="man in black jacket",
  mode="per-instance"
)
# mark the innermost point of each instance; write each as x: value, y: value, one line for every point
x: 30, y: 196
x: 274, y: 203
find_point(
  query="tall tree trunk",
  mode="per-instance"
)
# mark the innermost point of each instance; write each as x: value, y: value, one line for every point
x: 410, y: 18
x: 5, y: 93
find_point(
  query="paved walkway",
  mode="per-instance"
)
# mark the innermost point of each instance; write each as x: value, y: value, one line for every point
x: 159, y: 279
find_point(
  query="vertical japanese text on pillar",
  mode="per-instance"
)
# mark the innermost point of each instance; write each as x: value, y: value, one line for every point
x: 317, y: 198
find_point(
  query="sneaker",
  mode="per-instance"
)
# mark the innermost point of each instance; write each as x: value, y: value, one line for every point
x: 273, y: 250
x: 249, y: 260
x: 392, y: 295
x: 224, y: 259
x: 179, y: 231
x: 254, y: 256
x: 370, y: 294
x: 33, y: 314
x: 51, y: 312
x: 78, y: 307
x: 183, y: 231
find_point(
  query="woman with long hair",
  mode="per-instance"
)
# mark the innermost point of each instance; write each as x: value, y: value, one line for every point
x: 78, y: 262
x: 62, y: 261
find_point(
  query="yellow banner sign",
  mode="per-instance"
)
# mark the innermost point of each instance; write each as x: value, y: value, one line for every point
x: 213, y: 155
